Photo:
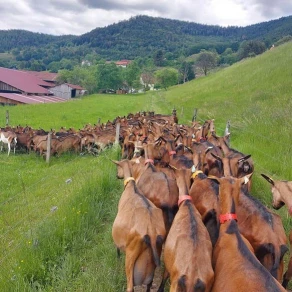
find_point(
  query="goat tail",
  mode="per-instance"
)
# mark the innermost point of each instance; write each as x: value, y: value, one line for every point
x: 278, y: 258
x: 155, y: 244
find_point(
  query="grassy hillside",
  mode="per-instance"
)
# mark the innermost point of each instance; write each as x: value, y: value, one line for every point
x: 56, y: 236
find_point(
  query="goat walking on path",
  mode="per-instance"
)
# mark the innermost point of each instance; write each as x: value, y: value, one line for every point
x: 188, y: 248
x: 138, y: 230
x: 236, y: 266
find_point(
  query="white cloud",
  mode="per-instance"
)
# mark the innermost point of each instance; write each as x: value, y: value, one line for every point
x: 80, y: 16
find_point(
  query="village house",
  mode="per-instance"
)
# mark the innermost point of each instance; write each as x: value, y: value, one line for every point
x: 123, y: 63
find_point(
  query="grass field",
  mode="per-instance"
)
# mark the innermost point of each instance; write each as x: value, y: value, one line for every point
x: 56, y: 236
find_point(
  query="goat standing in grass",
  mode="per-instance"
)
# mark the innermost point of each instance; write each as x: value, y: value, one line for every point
x: 188, y: 248
x: 138, y: 230
x: 236, y: 266
x: 8, y: 138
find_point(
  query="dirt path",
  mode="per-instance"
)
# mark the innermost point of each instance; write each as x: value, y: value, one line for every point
x: 156, y: 281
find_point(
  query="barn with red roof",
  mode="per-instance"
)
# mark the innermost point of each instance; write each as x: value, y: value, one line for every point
x: 25, y: 87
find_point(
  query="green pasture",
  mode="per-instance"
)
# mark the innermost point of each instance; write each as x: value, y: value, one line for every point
x: 55, y: 219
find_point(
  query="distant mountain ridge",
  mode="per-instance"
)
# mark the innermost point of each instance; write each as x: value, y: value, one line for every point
x: 143, y: 35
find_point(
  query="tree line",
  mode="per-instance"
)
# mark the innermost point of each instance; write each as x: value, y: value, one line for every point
x: 140, y: 36
x: 159, y: 71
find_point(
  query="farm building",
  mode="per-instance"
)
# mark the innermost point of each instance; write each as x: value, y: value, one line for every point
x: 24, y: 87
x: 67, y: 90
x: 45, y: 76
x: 123, y: 63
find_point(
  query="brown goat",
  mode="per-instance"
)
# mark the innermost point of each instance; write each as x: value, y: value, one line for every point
x: 236, y: 266
x: 139, y: 231
x: 204, y: 160
x: 288, y: 275
x: 188, y: 248
x: 258, y: 224
x: 282, y: 195
x: 71, y: 142
x: 240, y: 164
x: 24, y: 140
x: 204, y: 193
x: 236, y: 165
x: 170, y: 156
x: 156, y: 186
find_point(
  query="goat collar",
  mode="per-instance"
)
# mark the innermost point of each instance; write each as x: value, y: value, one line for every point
x: 149, y: 160
x: 127, y: 180
x: 184, y: 198
x: 171, y: 152
x: 227, y: 217
x: 194, y: 175
x: 203, y: 139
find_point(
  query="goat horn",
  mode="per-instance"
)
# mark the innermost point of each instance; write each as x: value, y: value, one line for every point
x: 268, y: 179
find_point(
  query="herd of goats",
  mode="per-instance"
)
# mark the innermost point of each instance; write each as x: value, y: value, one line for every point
x: 186, y: 193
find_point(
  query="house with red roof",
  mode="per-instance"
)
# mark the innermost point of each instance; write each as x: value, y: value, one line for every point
x: 25, y: 87
x: 123, y: 63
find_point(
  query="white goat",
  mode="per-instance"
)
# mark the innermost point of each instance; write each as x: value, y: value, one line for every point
x: 8, y: 138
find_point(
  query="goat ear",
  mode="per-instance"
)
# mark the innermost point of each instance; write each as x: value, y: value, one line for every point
x: 268, y: 179
x: 246, y: 178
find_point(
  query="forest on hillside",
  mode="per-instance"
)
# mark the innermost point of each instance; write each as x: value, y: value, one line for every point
x: 140, y: 36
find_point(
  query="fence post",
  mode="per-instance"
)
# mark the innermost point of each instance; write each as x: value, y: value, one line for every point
x: 227, y: 131
x: 227, y: 128
x: 7, y: 118
x: 48, y: 154
x: 195, y: 115
x: 117, y: 133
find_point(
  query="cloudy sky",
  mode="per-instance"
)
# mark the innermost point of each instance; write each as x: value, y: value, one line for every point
x: 76, y: 17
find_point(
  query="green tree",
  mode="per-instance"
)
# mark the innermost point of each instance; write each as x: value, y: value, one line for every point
x: 37, y: 65
x: 166, y: 77
x: 285, y: 39
x: 109, y: 77
x: 83, y: 76
x: 250, y: 49
x: 158, y: 58
x: 186, y: 69
x: 206, y: 61
x: 148, y: 77
x: 228, y: 57
x: 132, y: 75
